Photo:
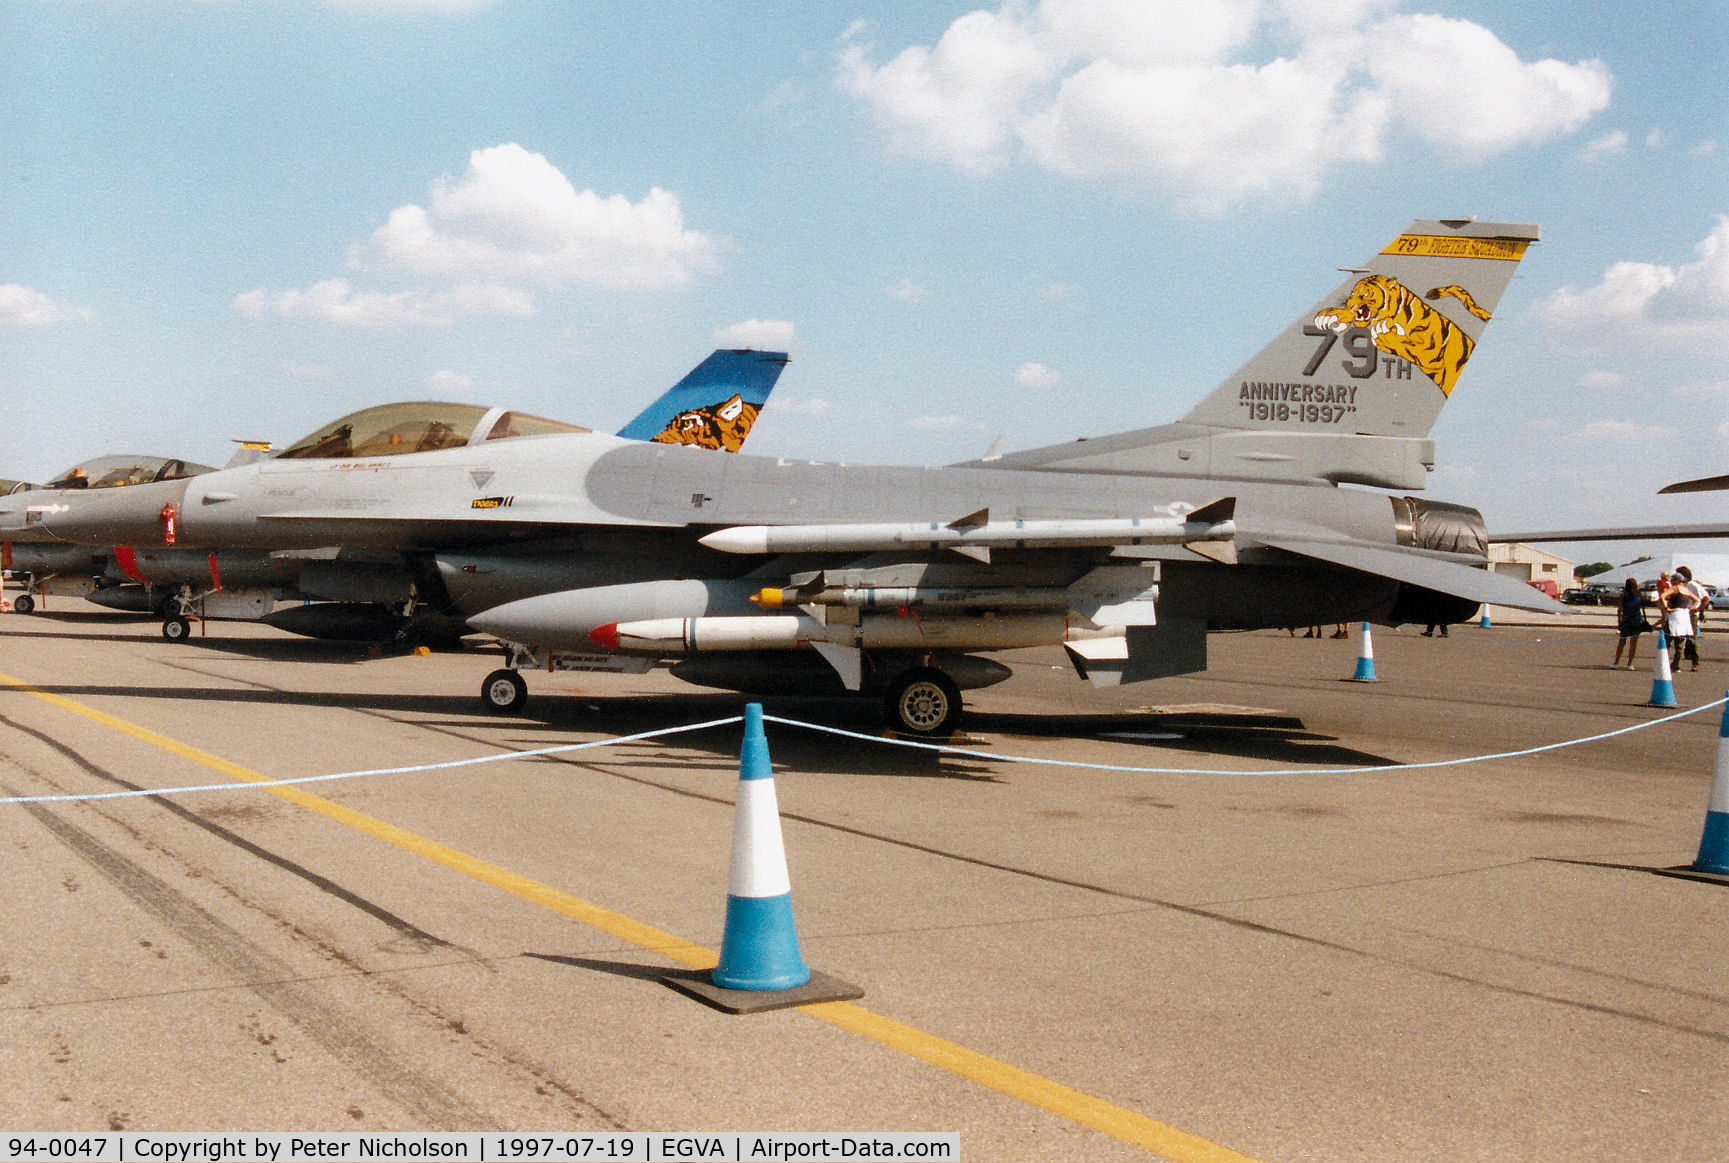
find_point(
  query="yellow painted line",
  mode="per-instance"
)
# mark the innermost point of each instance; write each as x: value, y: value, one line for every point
x: 1066, y: 1102
x: 1074, y: 1105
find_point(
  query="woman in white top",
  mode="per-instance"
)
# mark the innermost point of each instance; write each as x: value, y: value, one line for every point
x: 1677, y: 602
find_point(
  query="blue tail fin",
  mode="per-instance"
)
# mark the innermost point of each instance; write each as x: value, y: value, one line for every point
x: 715, y: 405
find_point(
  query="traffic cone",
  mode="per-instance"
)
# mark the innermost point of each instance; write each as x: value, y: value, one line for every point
x: 760, y: 948
x: 761, y: 967
x: 1365, y: 659
x: 1714, y: 844
x: 1663, y: 686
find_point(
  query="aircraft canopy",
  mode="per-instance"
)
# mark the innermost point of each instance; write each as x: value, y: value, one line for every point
x: 417, y: 426
x: 112, y: 472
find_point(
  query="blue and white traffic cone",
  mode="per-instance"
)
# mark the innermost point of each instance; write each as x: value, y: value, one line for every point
x: 1365, y: 659
x: 760, y: 947
x: 1483, y: 623
x: 761, y: 967
x: 1714, y: 844
x: 1663, y: 686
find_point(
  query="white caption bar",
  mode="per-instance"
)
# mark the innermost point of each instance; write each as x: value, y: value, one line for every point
x: 351, y: 1146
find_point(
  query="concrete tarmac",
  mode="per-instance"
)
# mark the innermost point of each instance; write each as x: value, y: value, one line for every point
x: 1273, y: 958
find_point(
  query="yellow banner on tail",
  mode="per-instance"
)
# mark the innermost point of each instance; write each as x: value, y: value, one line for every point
x: 1437, y: 246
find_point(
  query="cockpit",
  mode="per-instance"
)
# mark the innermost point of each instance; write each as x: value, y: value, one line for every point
x: 112, y: 472
x: 7, y: 488
x: 419, y: 426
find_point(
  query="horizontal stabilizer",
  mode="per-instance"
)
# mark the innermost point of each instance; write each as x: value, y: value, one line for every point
x: 1420, y: 568
x: 1702, y: 485
x: 1621, y: 533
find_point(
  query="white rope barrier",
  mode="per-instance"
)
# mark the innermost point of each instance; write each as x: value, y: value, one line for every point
x: 501, y: 757
x: 943, y: 748
x: 1263, y: 771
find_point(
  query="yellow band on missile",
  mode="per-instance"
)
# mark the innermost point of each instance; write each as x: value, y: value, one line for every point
x: 769, y: 598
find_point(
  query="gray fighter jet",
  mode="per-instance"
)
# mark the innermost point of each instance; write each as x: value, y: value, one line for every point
x: 757, y: 573
x: 35, y: 561
x: 343, y: 592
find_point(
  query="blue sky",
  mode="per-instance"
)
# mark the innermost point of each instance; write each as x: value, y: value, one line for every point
x: 1040, y: 220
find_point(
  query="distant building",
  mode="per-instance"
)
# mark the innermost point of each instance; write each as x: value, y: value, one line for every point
x: 1528, y: 563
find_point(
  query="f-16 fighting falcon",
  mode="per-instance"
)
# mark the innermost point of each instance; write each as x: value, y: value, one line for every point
x: 762, y: 574
x: 335, y: 592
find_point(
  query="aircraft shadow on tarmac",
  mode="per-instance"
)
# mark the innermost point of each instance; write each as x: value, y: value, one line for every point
x: 1148, y: 740
x: 1145, y: 740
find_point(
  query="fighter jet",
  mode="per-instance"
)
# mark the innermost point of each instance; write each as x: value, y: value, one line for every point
x: 359, y: 592
x: 30, y: 555
x: 758, y: 573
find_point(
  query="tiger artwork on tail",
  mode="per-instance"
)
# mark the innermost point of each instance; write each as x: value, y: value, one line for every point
x: 1403, y: 325
x: 716, y: 426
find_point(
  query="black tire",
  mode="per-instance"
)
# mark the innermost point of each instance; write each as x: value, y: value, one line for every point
x: 503, y: 692
x: 176, y: 629
x: 23, y: 604
x: 924, y: 702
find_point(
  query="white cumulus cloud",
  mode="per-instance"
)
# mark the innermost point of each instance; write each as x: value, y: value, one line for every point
x: 512, y: 221
x: 1193, y: 98
x: 447, y: 383
x: 1037, y: 376
x: 759, y: 334
x: 1648, y: 305
x: 1603, y: 148
x: 908, y: 291
x: 22, y: 307
x: 513, y: 217
x: 336, y: 301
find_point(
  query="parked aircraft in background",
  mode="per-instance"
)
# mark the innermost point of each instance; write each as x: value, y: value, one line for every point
x: 757, y: 573
x: 347, y: 592
x: 36, y: 559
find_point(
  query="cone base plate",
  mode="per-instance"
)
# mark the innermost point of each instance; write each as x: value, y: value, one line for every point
x: 820, y: 987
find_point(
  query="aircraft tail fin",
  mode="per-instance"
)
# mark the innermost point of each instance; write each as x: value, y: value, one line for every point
x: 1379, y: 355
x: 715, y: 405
x: 1349, y: 390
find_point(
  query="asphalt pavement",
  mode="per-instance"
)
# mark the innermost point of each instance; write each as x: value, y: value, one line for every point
x: 1283, y: 938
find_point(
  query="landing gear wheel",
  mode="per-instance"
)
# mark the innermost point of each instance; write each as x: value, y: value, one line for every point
x: 23, y: 604
x: 924, y: 702
x: 176, y: 629
x: 503, y: 692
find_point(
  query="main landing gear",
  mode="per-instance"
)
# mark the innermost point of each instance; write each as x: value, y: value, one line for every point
x: 923, y: 701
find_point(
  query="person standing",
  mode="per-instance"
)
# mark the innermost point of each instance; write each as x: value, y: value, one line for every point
x: 1676, y: 604
x: 1630, y: 621
x: 1700, y: 596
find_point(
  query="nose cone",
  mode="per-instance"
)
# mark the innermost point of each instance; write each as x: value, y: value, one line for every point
x: 131, y: 515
